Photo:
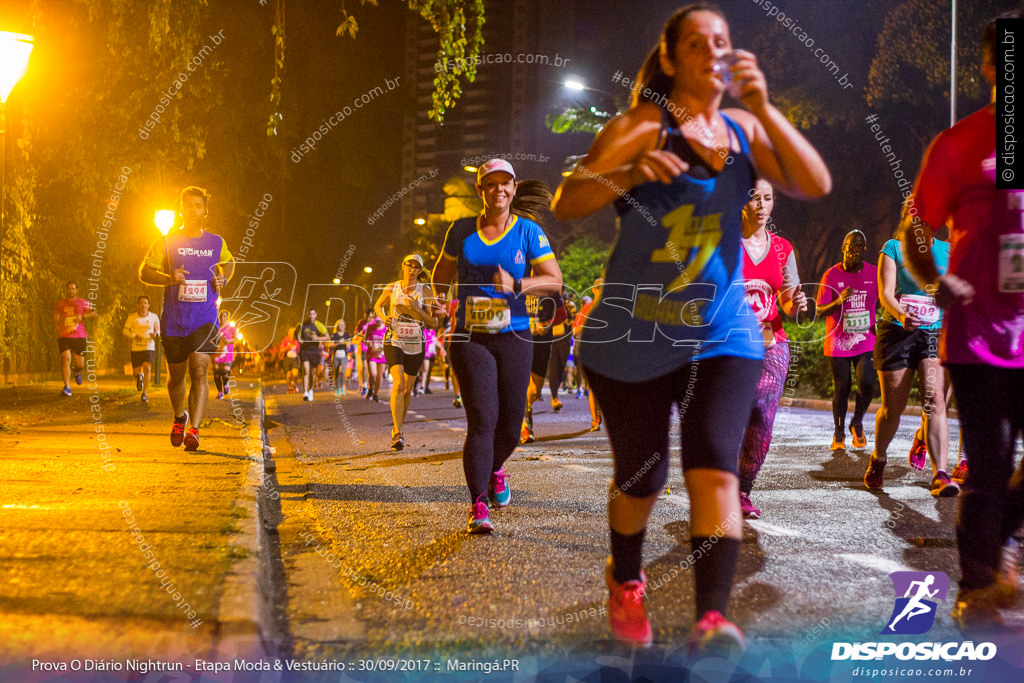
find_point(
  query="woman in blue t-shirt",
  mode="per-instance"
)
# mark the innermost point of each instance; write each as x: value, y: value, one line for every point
x: 672, y: 325
x: 907, y: 344
x: 495, y: 259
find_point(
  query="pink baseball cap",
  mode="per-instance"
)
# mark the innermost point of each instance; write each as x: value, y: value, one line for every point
x: 493, y: 165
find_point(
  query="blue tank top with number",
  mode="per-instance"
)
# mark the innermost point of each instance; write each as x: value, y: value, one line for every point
x: 674, y: 289
x: 189, y: 306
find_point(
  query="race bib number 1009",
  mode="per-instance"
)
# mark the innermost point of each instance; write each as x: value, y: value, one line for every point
x: 484, y: 314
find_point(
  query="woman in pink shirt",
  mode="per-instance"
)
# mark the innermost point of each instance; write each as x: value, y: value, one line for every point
x: 225, y: 355
x: 769, y: 266
x: 848, y: 296
x: 982, y: 337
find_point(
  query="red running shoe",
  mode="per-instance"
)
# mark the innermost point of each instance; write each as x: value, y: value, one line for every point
x: 192, y: 439
x: 714, y: 636
x: 918, y: 453
x: 874, y: 476
x: 178, y: 429
x: 627, y: 616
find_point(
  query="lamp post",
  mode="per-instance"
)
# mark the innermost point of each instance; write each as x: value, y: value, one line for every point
x: 14, y: 51
x: 164, y: 221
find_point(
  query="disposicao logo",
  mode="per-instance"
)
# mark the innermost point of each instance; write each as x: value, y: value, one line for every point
x: 914, y: 612
x: 917, y: 597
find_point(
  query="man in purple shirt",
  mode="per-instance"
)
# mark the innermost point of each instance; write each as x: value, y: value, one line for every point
x: 188, y: 264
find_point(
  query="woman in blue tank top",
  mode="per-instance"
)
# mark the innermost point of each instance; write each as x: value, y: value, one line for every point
x: 672, y: 325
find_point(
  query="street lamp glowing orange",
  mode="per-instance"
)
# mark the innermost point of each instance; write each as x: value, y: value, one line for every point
x: 164, y: 220
x: 420, y: 221
x: 367, y: 269
x: 14, y: 51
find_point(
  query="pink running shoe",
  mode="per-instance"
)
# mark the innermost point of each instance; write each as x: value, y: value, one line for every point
x: 499, y: 493
x: 479, y: 519
x: 626, y: 614
x: 918, y: 453
x: 714, y: 636
x: 750, y: 511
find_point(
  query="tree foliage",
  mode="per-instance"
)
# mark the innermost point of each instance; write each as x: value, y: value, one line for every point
x: 115, y: 85
x: 459, y: 27
x: 910, y: 69
x: 578, y: 120
x: 581, y: 262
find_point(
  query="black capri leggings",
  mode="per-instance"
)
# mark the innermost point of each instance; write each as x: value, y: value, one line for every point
x: 493, y: 372
x: 842, y: 379
x: 715, y: 397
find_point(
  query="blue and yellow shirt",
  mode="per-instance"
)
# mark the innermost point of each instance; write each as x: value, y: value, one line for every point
x: 481, y: 307
x: 674, y: 289
x: 189, y: 306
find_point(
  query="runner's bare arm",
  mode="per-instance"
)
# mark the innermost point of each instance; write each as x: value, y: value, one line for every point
x: 887, y: 293
x: 781, y: 154
x: 379, y: 306
x: 791, y: 299
x: 546, y: 279
x: 622, y: 157
x: 947, y: 289
x: 444, y: 273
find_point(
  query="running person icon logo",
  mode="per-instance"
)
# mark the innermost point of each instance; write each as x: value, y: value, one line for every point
x: 914, y: 612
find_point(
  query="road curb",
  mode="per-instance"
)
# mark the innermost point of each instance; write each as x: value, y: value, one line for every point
x: 245, y: 613
x: 822, y: 404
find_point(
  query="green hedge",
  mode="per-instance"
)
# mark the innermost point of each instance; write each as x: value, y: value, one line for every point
x: 808, y: 368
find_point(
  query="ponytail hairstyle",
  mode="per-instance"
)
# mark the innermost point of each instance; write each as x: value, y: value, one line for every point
x: 533, y: 201
x: 652, y: 84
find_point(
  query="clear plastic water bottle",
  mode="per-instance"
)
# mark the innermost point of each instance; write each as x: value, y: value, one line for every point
x: 723, y: 66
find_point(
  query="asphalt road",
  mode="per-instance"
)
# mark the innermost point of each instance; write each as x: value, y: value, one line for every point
x: 377, y: 563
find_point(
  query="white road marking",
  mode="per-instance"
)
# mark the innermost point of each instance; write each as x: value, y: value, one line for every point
x: 772, y: 529
x: 874, y: 562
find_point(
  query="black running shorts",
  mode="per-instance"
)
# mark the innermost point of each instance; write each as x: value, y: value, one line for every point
x: 203, y: 340
x: 898, y: 349
x: 74, y: 344
x: 411, y: 363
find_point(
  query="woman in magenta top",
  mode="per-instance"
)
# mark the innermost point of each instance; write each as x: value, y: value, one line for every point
x: 848, y: 296
x: 771, y: 279
x: 982, y: 338
x: 374, y: 334
x: 225, y: 355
